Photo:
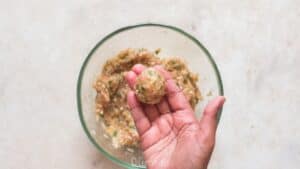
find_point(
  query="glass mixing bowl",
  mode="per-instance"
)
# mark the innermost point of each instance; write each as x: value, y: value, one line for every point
x: 173, y: 42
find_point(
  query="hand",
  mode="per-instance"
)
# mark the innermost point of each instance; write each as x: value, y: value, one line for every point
x: 171, y: 136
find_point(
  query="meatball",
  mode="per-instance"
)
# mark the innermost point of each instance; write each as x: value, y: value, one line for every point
x: 150, y: 86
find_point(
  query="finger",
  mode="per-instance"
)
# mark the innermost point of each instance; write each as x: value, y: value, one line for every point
x: 167, y: 75
x: 131, y: 78
x: 151, y: 112
x: 163, y: 106
x: 175, y: 96
x: 208, y: 122
x: 141, y: 121
x: 138, y: 68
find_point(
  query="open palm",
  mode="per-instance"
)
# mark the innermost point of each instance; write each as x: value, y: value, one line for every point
x: 171, y: 136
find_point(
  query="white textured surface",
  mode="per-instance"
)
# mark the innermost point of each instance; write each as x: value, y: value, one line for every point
x: 43, y: 44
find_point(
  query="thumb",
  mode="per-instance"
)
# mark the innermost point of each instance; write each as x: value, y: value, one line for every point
x: 209, y: 119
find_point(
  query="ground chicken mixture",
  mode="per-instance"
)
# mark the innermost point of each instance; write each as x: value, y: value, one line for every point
x: 150, y: 86
x: 111, y: 87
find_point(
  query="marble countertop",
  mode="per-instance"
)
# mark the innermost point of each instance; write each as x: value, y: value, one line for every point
x: 44, y: 43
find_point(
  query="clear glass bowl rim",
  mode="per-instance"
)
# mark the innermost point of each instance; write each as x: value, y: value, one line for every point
x: 81, y: 74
